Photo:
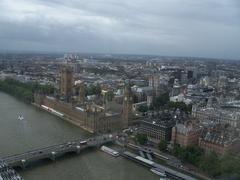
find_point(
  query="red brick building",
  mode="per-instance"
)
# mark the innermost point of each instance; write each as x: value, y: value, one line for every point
x: 186, y: 134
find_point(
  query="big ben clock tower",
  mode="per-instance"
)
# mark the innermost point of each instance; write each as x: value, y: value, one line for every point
x: 127, y: 106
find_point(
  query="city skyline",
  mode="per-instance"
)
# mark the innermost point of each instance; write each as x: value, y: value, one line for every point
x: 130, y: 89
x: 144, y: 104
x: 198, y: 29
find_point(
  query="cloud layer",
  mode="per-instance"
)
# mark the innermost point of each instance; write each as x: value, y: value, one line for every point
x: 209, y: 28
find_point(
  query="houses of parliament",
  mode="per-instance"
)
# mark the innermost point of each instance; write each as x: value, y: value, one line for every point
x: 96, y: 113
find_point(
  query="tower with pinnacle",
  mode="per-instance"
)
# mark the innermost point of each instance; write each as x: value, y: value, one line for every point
x: 127, y: 106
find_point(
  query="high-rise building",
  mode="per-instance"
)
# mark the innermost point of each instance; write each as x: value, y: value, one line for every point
x: 66, y: 82
x: 154, y: 81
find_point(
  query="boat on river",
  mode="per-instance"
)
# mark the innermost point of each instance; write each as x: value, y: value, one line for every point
x: 20, y: 117
x: 110, y: 151
x: 158, y: 172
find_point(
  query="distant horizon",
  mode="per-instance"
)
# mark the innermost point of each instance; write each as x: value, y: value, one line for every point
x: 102, y: 53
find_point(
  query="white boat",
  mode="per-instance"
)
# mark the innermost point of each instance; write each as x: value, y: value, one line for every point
x: 158, y: 172
x: 20, y: 117
x: 110, y: 151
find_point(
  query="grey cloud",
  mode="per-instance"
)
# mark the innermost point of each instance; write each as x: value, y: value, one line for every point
x: 174, y: 27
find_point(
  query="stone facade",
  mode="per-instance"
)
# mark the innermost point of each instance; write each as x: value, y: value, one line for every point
x: 208, y: 115
x: 219, y: 148
x: 220, y: 139
x: 91, y: 117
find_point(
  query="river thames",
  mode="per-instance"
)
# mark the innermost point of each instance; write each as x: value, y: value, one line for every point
x: 40, y: 129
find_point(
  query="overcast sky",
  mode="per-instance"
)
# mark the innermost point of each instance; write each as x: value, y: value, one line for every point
x: 206, y: 28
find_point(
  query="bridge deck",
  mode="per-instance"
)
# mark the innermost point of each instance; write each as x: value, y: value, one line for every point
x: 55, y: 150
